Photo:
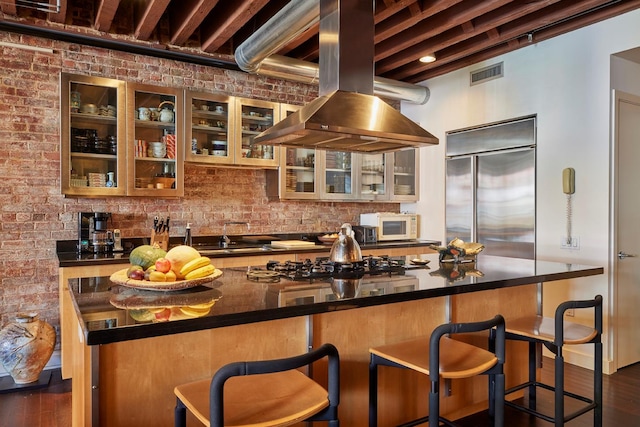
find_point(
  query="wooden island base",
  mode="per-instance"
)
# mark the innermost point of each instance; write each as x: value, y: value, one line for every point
x: 130, y: 383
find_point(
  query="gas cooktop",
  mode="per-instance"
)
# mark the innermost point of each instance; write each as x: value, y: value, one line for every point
x: 323, y: 268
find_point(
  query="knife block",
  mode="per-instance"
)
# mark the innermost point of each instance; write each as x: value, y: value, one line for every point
x: 161, y: 239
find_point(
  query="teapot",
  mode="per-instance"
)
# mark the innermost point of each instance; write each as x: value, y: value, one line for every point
x: 166, y: 114
x: 345, y: 249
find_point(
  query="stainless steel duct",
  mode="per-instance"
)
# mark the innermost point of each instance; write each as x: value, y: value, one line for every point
x: 256, y: 54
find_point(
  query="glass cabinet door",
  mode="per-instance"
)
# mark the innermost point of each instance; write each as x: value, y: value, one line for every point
x: 300, y: 173
x: 252, y: 117
x: 93, y: 146
x: 405, y: 175
x: 372, y: 183
x: 209, y: 135
x: 297, y: 167
x: 338, y: 175
x: 155, y: 141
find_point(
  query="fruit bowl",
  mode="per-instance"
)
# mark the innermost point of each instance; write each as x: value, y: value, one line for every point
x: 458, y: 251
x: 120, y: 278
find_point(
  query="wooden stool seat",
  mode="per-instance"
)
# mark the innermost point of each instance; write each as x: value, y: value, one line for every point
x: 440, y: 356
x: 543, y: 329
x: 457, y: 359
x: 278, y: 399
x: 555, y: 333
x: 264, y: 393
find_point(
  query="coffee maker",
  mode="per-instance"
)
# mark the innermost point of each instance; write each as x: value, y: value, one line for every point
x: 93, y: 235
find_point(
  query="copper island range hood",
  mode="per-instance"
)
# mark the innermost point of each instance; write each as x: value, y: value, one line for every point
x: 347, y: 116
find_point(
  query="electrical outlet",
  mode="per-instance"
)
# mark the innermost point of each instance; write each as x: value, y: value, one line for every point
x: 573, y: 244
x: 570, y: 312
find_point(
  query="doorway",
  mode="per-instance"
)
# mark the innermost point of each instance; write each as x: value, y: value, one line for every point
x: 626, y: 233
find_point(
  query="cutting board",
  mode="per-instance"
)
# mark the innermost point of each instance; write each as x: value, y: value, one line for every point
x: 292, y: 244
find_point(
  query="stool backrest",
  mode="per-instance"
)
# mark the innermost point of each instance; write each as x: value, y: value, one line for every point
x: 596, y: 303
x: 235, y: 369
x: 462, y: 328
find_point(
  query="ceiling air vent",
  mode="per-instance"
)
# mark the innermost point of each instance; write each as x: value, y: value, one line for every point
x: 485, y: 74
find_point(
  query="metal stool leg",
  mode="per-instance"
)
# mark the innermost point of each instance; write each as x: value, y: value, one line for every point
x: 533, y: 363
x: 373, y: 392
x: 597, y: 386
x: 559, y: 389
x: 180, y: 414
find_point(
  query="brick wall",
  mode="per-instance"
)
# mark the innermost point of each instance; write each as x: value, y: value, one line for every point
x: 33, y: 213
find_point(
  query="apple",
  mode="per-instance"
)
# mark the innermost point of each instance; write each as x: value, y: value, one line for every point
x: 136, y: 274
x: 134, y: 269
x: 163, y: 265
x: 163, y: 315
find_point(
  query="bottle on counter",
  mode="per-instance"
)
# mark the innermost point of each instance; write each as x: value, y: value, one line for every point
x: 187, y: 235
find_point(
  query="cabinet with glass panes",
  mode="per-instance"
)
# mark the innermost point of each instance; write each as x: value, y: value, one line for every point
x: 337, y: 175
x: 252, y: 116
x: 405, y: 176
x: 298, y: 170
x: 372, y: 176
x: 209, y: 128
x: 93, y: 151
x: 155, y: 141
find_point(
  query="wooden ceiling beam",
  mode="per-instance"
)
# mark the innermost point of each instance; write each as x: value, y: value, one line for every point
x: 8, y: 7
x: 186, y: 17
x: 437, y: 24
x: 514, y: 30
x: 148, y: 14
x: 225, y: 25
x: 409, y: 17
x: 454, y: 36
x: 105, y: 14
x: 389, y: 8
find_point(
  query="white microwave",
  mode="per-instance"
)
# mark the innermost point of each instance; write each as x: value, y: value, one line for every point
x: 392, y: 226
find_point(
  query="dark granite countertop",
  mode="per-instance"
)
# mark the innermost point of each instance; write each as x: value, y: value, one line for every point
x: 108, y: 312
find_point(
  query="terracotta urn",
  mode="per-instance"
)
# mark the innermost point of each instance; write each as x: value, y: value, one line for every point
x: 26, y: 346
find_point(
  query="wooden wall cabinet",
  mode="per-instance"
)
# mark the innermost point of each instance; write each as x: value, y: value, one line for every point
x: 93, y: 146
x: 404, y: 177
x: 307, y: 174
x: 252, y: 116
x: 108, y: 143
x: 372, y: 176
x: 209, y: 128
x: 297, y: 178
x: 220, y: 130
x: 155, y: 141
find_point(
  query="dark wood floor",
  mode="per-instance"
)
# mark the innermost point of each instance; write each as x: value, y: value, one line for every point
x: 620, y: 399
x: 45, y: 407
x: 51, y: 406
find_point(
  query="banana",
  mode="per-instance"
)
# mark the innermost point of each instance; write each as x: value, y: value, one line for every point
x: 194, y: 264
x: 200, y: 272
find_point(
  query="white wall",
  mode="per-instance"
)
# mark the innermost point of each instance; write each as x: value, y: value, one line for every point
x: 566, y: 82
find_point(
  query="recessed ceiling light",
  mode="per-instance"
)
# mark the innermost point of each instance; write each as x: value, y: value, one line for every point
x: 431, y: 57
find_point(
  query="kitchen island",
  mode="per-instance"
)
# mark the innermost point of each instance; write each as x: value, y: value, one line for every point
x: 124, y: 370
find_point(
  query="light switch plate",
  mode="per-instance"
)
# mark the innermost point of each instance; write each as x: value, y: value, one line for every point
x: 574, y: 244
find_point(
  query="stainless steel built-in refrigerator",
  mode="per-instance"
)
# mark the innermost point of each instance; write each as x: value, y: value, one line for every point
x: 490, y: 187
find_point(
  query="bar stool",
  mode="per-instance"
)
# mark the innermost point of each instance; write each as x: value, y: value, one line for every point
x: 442, y: 356
x: 554, y: 333
x: 263, y: 393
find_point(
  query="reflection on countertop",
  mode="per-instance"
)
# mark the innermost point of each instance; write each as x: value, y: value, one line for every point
x: 106, y: 313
